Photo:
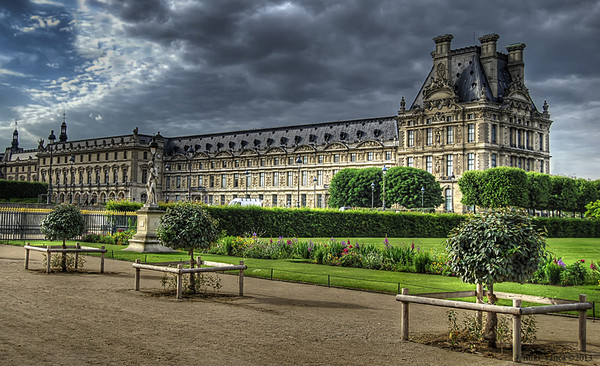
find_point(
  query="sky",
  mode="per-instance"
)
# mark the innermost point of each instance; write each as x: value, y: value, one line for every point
x: 186, y: 67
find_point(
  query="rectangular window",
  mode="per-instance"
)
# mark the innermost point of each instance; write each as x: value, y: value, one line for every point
x: 519, y: 139
x: 105, y: 157
x: 178, y: 181
x: 388, y: 155
x: 168, y: 182
x: 353, y: 157
x: 288, y: 200
x: 450, y: 134
x: 470, y: 116
x: 305, y: 160
x: 449, y: 165
x: 290, y: 160
x: 319, y: 200
x: 274, y: 200
x: 275, y: 179
x: 321, y: 159
x: 541, y: 141
x: 494, y: 133
x: 212, y: 164
x: 125, y: 154
x: 201, y: 165
x: 528, y: 164
x: 511, y: 133
x: 222, y: 199
x: 411, y: 138
x: 276, y: 162
x: 448, y: 194
x: 290, y: 179
x: 541, y: 166
x: 470, y: 161
x: 224, y: 164
x: 449, y: 119
x: 471, y: 132
x: 528, y: 140
x: 144, y: 176
x: 410, y: 162
x: 223, y: 180
x: 429, y: 164
x: 494, y: 160
x: 249, y: 163
x: 236, y: 180
x: 211, y: 181
x: 304, y: 177
x: 370, y: 156
x: 303, y: 199
x: 263, y: 162
x: 248, y: 180
x: 319, y: 177
x: 210, y: 199
x: 336, y: 158
x: 200, y: 181
x: 429, y: 136
x: 261, y: 179
x: 116, y: 176
x: 237, y: 163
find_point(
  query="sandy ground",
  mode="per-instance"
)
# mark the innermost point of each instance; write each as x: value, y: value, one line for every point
x: 88, y: 318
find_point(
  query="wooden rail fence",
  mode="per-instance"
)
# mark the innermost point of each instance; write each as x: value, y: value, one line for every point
x: 49, y: 249
x: 180, y: 270
x: 553, y: 306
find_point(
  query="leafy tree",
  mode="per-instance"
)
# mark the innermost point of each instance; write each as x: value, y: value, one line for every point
x: 403, y: 186
x: 62, y: 223
x: 339, y: 189
x: 495, y: 247
x: 586, y: 193
x: 360, y: 191
x: 539, y: 186
x: 593, y: 210
x: 186, y: 225
x: 504, y: 187
x: 471, y: 186
x: 563, y: 194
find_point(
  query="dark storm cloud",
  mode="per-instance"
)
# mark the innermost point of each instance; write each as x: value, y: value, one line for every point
x: 208, y: 66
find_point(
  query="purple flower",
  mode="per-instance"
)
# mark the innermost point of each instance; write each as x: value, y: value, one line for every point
x: 561, y: 263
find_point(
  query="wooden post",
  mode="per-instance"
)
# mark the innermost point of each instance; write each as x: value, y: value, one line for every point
x: 404, y: 320
x: 102, y: 260
x: 241, y: 280
x: 27, y: 258
x: 49, y: 258
x: 582, y: 324
x: 199, y: 261
x: 516, y: 333
x: 179, y: 282
x: 77, y: 246
x: 480, y: 301
x: 137, y: 276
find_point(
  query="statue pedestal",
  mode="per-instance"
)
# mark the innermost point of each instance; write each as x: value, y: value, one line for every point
x: 145, y: 240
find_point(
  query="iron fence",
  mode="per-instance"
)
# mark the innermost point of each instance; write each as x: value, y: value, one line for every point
x: 18, y: 223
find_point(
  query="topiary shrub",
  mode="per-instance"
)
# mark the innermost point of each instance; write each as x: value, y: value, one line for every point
x: 62, y: 223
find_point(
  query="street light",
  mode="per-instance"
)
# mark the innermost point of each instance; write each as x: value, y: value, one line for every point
x: 452, y: 192
x: 247, y: 183
x: 299, y: 162
x: 422, y: 193
x: 51, y: 139
x: 72, y: 161
x: 384, y: 170
x: 315, y: 191
x: 372, y: 193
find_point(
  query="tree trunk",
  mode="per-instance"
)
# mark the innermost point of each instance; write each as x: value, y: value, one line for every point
x: 489, y: 333
x: 63, y: 262
x: 192, y: 285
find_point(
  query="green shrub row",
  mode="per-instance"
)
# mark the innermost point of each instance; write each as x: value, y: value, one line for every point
x: 569, y: 227
x: 10, y: 189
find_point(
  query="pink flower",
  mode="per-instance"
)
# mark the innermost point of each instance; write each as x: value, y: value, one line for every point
x: 582, y: 260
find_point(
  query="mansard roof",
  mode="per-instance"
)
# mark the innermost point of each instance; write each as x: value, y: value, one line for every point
x: 289, y: 137
x: 468, y: 78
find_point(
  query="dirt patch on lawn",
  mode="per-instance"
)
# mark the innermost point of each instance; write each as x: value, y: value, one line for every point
x: 92, y: 318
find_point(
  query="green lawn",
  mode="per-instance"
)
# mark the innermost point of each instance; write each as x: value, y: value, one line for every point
x: 385, y: 281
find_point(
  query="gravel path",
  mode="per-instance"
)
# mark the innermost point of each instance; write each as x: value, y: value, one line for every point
x: 97, y: 319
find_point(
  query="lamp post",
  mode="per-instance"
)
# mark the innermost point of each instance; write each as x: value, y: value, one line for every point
x: 384, y: 170
x: 422, y: 193
x: 247, y: 183
x: 51, y: 139
x: 452, y: 192
x: 188, y: 157
x: 299, y: 162
x: 72, y: 161
x: 315, y: 191
x: 372, y: 193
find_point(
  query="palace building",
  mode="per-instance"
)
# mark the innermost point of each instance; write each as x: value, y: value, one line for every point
x: 473, y: 112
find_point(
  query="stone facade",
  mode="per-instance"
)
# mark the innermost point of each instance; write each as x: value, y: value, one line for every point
x: 473, y: 112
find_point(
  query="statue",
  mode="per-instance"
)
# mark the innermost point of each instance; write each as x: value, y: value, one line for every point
x: 151, y: 185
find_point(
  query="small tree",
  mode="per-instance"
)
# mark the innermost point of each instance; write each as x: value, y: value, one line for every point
x: 186, y: 225
x: 64, y: 222
x: 403, y: 186
x: 495, y: 247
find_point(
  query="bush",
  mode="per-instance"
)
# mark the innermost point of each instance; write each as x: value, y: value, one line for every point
x: 10, y: 189
x: 574, y: 274
x: 422, y: 262
x: 553, y: 272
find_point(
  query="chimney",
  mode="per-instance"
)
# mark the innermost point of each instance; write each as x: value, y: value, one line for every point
x: 489, y: 60
x: 441, y: 56
x: 516, y: 66
x: 442, y: 45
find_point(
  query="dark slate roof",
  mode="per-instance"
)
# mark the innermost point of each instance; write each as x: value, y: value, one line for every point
x: 289, y: 137
x: 468, y: 78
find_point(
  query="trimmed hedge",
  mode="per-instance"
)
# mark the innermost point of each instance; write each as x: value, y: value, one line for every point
x: 15, y: 189
x: 306, y: 223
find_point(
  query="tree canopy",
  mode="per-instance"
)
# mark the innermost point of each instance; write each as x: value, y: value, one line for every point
x: 186, y: 225
x: 404, y: 184
x: 62, y: 223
